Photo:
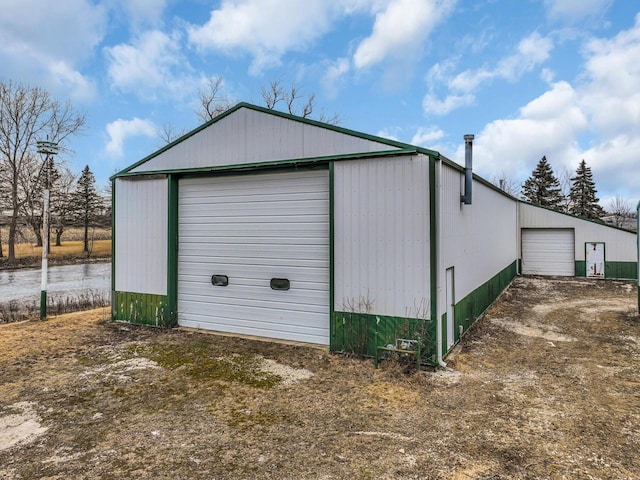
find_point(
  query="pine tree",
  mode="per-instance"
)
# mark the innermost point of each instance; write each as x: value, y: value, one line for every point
x: 543, y: 188
x: 86, y: 202
x: 584, y: 202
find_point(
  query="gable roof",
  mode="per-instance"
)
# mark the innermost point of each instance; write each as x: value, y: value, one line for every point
x: 249, y: 134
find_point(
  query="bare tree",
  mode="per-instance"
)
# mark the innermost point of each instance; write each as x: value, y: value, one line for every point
x: 212, y: 103
x: 620, y: 209
x: 564, y: 177
x: 28, y: 114
x: 275, y: 93
x: 168, y: 133
x: 506, y: 184
x: 61, y: 201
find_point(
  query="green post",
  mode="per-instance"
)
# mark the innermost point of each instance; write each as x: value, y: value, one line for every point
x: 638, y: 259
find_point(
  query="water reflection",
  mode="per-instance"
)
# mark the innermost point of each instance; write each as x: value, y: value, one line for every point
x: 63, y: 281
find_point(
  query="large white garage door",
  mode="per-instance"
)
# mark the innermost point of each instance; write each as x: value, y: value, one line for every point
x: 265, y: 238
x: 548, y: 251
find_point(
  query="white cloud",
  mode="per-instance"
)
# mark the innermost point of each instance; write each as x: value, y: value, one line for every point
x: 432, y: 105
x: 400, y: 30
x: 120, y: 130
x: 573, y: 11
x: 604, y: 106
x: 334, y: 76
x: 425, y: 137
x: 531, y: 52
x: 42, y: 41
x: 153, y: 64
x: 547, y: 125
x: 267, y: 29
x: 143, y: 13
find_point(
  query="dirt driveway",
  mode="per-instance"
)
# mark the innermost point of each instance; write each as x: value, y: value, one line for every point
x: 545, y: 386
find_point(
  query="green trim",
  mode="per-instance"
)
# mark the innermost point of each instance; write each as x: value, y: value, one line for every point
x: 363, y: 333
x: 172, y: 251
x: 621, y: 270
x: 231, y: 111
x: 467, y: 310
x: 290, y: 163
x: 591, y: 220
x: 613, y: 270
x: 140, y: 308
x: 331, y: 252
x: 113, y: 247
x: 433, y: 253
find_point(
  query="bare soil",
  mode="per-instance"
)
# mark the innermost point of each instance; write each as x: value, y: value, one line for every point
x: 546, y: 385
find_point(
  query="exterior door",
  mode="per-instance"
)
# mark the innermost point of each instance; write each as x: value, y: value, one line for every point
x: 451, y: 303
x: 594, y: 255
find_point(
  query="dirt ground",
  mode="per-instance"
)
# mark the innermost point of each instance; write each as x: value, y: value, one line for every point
x: 546, y: 385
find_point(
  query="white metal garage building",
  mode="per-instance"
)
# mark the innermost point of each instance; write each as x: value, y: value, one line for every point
x: 267, y: 224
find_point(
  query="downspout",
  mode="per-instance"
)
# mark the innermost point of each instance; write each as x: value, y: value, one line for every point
x: 435, y: 265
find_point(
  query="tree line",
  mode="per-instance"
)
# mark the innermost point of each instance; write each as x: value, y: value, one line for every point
x: 27, y: 115
x: 575, y: 194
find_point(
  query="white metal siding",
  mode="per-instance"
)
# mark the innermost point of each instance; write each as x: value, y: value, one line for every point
x: 479, y: 240
x: 548, y: 252
x: 249, y: 136
x: 254, y: 228
x: 141, y: 236
x: 382, y: 234
x: 620, y: 246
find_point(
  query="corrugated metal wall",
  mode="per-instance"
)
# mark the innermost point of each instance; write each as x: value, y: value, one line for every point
x: 620, y: 246
x: 478, y: 240
x: 249, y: 136
x: 381, y: 234
x: 141, y: 236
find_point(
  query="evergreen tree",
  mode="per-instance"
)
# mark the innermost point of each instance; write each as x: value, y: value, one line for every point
x: 543, y: 188
x: 86, y: 202
x: 584, y: 202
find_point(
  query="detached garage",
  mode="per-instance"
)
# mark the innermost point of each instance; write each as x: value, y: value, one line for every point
x: 266, y: 224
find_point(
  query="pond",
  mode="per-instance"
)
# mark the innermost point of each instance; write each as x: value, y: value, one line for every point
x: 66, y: 281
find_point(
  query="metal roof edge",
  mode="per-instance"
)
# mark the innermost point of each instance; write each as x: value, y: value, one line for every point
x: 273, y: 163
x: 591, y: 220
x: 277, y: 113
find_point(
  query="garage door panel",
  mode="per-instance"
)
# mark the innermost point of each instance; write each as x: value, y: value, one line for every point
x: 252, y: 229
x: 548, y: 252
x: 287, y: 331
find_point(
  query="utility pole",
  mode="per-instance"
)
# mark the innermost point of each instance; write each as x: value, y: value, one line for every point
x: 48, y: 149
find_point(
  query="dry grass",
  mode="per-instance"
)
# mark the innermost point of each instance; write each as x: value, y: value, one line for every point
x: 114, y: 401
x: 71, y: 250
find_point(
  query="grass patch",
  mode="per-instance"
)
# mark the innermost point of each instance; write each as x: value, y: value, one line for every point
x: 200, y: 361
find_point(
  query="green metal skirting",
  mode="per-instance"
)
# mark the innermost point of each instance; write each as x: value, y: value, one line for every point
x: 614, y: 270
x: 362, y: 333
x: 140, y: 308
x: 471, y: 307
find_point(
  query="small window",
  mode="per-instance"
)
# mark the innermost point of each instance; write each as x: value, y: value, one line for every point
x: 219, y: 280
x: 280, y: 284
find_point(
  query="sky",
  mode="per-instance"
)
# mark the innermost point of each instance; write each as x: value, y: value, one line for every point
x: 559, y: 78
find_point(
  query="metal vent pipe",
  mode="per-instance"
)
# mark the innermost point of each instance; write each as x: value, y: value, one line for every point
x: 468, y: 169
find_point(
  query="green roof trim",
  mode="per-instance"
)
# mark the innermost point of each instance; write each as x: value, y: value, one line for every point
x: 275, y: 163
x: 602, y: 224
x: 232, y: 110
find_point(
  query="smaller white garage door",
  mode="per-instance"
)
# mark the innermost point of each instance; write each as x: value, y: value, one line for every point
x: 548, y: 251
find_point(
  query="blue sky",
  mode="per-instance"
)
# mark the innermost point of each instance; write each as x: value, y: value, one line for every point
x: 529, y: 78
